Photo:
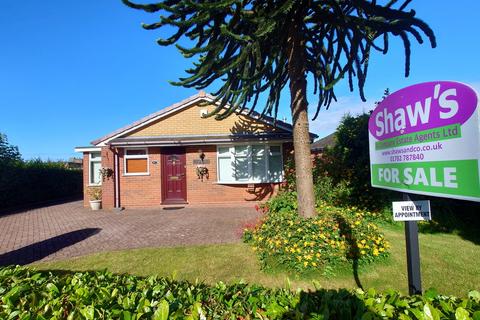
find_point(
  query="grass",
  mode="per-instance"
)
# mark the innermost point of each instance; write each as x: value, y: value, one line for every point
x: 449, y: 264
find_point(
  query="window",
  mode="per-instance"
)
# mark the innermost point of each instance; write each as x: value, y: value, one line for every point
x: 136, y: 162
x: 249, y: 163
x: 95, y: 164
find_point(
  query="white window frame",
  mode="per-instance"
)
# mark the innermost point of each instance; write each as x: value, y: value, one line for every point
x: 90, y: 160
x: 250, y: 162
x: 136, y: 156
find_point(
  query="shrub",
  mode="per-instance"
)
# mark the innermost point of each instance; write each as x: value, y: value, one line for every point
x: 34, y: 181
x: 336, y: 235
x: 347, y: 161
x: 326, y: 191
x: 29, y: 294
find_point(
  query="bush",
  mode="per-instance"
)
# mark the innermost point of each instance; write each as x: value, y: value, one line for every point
x: 29, y: 294
x: 347, y: 162
x: 326, y: 191
x: 29, y: 182
x: 335, y: 235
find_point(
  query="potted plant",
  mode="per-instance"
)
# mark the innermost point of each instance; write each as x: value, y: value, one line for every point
x: 95, y: 198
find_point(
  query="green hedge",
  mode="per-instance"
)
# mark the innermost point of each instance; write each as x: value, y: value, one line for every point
x: 29, y: 294
x: 29, y: 182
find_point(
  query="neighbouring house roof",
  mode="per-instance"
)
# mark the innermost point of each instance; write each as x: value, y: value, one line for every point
x: 321, y: 144
x: 201, y: 96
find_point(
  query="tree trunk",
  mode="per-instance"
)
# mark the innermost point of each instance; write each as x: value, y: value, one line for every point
x: 299, y: 107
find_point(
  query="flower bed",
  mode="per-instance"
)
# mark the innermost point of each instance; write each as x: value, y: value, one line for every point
x: 336, y: 235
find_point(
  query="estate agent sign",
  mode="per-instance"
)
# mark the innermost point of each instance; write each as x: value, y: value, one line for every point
x: 425, y: 139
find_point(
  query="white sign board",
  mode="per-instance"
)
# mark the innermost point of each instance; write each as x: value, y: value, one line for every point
x: 411, y: 210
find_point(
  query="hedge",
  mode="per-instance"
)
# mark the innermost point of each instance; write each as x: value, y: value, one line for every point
x: 23, y: 183
x: 30, y: 294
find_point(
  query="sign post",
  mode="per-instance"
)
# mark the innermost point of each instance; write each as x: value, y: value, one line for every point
x: 425, y: 139
x: 413, y: 255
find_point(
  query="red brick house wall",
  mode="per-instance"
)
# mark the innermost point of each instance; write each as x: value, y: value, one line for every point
x: 146, y: 190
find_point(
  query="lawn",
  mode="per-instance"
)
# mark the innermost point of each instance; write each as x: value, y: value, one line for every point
x: 449, y: 264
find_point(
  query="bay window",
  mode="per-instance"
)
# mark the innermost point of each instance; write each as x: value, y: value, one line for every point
x: 136, y: 162
x: 249, y: 163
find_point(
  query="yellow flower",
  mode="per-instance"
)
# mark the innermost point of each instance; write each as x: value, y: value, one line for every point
x: 362, y: 252
x: 305, y: 263
x: 318, y: 255
x: 375, y: 252
x: 357, y: 222
x: 285, y: 241
x: 254, y: 248
x: 314, y: 264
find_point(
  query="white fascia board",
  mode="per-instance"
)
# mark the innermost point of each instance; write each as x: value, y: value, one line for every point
x: 88, y: 149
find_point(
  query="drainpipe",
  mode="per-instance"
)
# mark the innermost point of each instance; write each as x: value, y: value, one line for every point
x: 117, y: 181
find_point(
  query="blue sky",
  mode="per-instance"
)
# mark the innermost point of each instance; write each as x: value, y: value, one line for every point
x: 72, y: 71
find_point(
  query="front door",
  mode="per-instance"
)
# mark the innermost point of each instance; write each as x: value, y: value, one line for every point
x: 174, y: 180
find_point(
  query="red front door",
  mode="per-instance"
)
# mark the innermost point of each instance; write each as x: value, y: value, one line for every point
x: 174, y: 180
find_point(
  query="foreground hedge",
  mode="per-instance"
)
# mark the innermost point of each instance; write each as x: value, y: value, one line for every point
x: 29, y: 294
x: 30, y: 182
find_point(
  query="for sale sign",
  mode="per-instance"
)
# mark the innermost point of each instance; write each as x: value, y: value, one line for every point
x: 425, y: 139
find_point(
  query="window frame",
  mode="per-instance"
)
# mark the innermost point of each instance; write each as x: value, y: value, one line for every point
x: 136, y: 156
x: 90, y: 160
x: 266, y: 150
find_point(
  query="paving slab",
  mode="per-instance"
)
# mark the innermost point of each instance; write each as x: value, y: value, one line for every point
x: 69, y: 230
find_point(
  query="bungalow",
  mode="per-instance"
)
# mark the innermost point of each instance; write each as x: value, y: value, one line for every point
x: 176, y: 156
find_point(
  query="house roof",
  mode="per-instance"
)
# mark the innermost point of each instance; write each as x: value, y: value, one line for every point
x: 200, y: 96
x: 326, y: 141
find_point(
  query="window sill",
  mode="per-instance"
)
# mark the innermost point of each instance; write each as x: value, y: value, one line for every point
x: 94, y: 185
x: 135, y: 174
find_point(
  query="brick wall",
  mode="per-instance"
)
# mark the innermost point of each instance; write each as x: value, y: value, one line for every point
x: 145, y: 190
x: 209, y: 191
x: 189, y: 122
x: 108, y: 184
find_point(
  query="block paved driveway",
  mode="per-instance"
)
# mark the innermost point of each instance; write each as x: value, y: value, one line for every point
x: 68, y: 230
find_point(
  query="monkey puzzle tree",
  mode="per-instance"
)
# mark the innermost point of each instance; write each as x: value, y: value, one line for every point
x: 254, y: 47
